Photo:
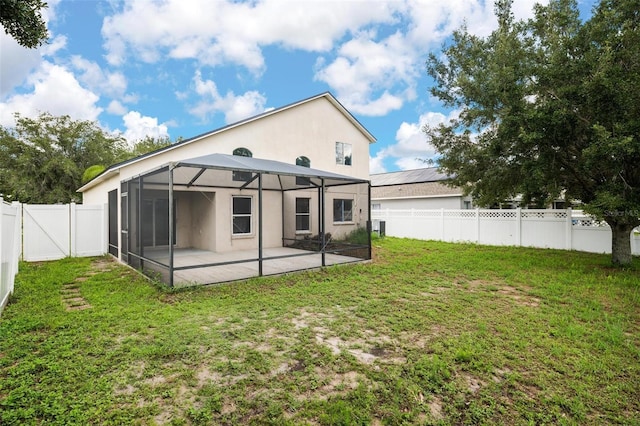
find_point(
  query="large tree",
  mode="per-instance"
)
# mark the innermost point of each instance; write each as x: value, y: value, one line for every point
x: 22, y: 20
x: 42, y: 160
x: 549, y: 106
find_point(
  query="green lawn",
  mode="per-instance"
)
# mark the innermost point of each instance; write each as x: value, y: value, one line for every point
x: 428, y: 333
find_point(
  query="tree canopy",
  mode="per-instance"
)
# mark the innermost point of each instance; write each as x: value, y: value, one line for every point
x: 46, y: 159
x: 547, y: 106
x: 22, y: 20
x: 42, y: 160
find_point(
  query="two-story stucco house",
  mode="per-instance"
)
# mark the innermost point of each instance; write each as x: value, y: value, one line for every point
x: 277, y: 192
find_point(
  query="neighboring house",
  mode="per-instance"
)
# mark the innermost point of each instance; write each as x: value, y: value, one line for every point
x: 270, y: 194
x: 416, y: 189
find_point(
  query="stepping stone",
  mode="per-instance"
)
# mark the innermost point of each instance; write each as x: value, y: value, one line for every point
x: 78, y: 308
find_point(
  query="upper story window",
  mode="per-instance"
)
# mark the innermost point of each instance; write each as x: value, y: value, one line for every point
x: 343, y: 153
x: 242, y: 176
x: 304, y: 162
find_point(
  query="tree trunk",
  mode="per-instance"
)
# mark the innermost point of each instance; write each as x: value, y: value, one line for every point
x: 621, y: 243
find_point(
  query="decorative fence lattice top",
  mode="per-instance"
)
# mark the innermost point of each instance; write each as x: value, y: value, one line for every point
x: 578, y: 219
x: 543, y: 214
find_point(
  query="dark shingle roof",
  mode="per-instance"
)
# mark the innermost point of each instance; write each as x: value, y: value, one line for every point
x: 428, y: 174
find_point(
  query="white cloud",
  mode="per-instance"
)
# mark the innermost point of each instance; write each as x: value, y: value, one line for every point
x: 376, y: 164
x: 372, y: 78
x: 139, y: 126
x: 113, y: 84
x: 234, y: 107
x: 372, y: 68
x: 116, y: 108
x: 411, y: 148
x: 55, y: 90
x: 229, y: 31
x: 374, y: 75
x: 16, y: 62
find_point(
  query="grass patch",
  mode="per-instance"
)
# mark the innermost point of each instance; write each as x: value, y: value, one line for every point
x: 428, y: 333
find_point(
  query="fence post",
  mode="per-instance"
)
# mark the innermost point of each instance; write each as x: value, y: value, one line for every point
x: 477, y: 225
x: 442, y: 224
x: 518, y: 227
x: 17, y: 239
x: 2, y: 295
x: 568, y: 237
x: 105, y: 228
x: 72, y: 229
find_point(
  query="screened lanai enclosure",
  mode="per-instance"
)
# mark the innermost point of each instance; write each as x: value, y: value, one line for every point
x: 220, y: 218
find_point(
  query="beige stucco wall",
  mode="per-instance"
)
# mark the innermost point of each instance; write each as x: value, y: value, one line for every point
x: 309, y: 129
x: 357, y: 193
x: 195, y: 219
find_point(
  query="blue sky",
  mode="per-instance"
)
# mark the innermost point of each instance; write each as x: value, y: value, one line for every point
x: 179, y: 68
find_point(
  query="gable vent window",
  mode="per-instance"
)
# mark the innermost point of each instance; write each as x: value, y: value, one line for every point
x: 303, y: 162
x: 343, y: 153
x: 238, y: 175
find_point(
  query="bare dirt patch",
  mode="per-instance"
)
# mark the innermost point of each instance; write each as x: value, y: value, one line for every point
x: 103, y: 265
x: 499, y: 374
x: 473, y: 384
x: 423, y: 339
x: 435, y: 408
x: 205, y: 376
x: 127, y: 390
x: 307, y: 318
x: 519, y: 296
x: 336, y: 384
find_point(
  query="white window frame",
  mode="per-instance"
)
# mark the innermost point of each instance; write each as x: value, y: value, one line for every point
x: 308, y: 214
x: 342, y: 221
x: 344, y: 151
x: 234, y: 215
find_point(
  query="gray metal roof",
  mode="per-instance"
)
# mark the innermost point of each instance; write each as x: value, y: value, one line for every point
x: 428, y: 174
x: 216, y: 170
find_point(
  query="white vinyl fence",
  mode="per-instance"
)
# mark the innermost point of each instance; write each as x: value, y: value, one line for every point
x: 56, y: 231
x: 47, y: 232
x: 10, y: 225
x: 559, y: 229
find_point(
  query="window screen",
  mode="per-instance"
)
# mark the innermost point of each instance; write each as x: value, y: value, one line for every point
x: 241, y: 215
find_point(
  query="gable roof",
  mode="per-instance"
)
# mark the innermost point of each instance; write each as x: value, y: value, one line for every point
x: 428, y: 174
x: 113, y: 169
